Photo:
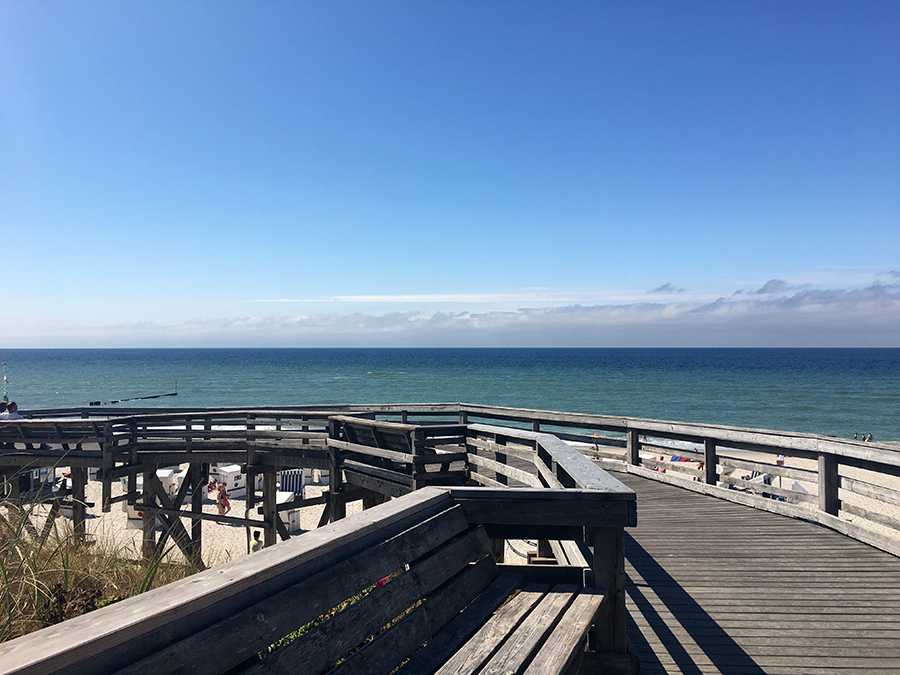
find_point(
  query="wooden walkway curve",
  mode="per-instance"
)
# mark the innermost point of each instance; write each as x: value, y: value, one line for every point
x: 717, y: 587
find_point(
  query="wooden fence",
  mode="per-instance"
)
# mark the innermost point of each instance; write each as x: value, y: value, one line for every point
x: 850, y: 486
x: 572, y: 506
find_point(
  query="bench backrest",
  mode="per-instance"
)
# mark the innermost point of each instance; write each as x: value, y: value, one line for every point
x: 402, y: 569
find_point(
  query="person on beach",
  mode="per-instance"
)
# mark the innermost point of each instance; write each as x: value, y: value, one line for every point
x: 256, y: 544
x: 222, y: 503
x: 11, y: 412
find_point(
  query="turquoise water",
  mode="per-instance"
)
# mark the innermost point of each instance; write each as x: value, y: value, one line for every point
x: 829, y: 391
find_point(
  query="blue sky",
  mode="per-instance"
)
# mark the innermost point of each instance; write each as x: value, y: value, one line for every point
x: 450, y: 173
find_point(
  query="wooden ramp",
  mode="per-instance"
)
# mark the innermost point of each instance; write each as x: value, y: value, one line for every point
x: 716, y: 587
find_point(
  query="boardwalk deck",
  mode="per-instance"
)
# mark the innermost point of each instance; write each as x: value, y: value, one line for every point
x: 716, y: 587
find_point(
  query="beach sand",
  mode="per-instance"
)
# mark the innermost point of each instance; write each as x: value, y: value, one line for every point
x: 221, y: 542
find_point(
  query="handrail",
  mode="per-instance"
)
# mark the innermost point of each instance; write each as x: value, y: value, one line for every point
x: 844, y: 482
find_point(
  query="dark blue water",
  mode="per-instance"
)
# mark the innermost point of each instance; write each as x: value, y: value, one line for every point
x: 828, y: 391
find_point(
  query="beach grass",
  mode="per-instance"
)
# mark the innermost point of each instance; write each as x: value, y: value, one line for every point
x: 48, y: 573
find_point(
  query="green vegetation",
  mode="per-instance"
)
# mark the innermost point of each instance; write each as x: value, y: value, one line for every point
x: 49, y: 574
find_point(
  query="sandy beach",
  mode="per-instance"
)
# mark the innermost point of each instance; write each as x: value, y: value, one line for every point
x: 221, y: 541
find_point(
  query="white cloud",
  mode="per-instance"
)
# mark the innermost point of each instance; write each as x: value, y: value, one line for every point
x: 864, y: 317
x: 667, y: 288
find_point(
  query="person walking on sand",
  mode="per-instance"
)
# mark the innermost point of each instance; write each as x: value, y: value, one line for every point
x: 222, y: 503
x: 256, y: 544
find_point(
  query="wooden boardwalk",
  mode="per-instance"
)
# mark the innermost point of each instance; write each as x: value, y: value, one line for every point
x: 716, y: 587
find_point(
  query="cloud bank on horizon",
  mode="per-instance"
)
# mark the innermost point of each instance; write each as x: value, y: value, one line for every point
x: 775, y: 315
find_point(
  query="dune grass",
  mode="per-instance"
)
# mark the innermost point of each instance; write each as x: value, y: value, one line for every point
x: 49, y: 574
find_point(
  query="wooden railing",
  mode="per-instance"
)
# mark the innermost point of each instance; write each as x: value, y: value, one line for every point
x: 565, y: 499
x: 850, y: 486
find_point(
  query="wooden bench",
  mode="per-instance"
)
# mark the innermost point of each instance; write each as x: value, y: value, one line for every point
x: 414, y: 580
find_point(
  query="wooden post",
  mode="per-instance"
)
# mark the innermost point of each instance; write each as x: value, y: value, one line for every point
x: 416, y: 441
x: 337, y: 507
x: 828, y: 484
x: 710, y: 461
x: 633, y: 447
x: 148, y: 546
x: 544, y: 550
x: 498, y: 549
x: 15, y: 492
x: 609, y: 573
x: 197, y: 474
x: 79, y: 508
x: 503, y: 458
x: 108, y: 464
x: 463, y: 417
x: 270, y: 506
x: 535, y: 426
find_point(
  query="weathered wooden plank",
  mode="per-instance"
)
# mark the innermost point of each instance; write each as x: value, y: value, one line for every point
x: 113, y: 636
x: 377, y: 472
x: 870, y: 490
x: 393, y: 455
x: 560, y: 648
x: 525, y: 640
x: 329, y: 641
x: 405, y: 635
x: 385, y: 487
x: 488, y: 639
x: 504, y: 469
x: 446, y: 643
x: 530, y: 506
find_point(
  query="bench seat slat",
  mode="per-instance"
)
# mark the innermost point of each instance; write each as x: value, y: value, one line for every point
x: 569, y: 634
x: 528, y: 637
x: 386, y: 652
x: 485, y: 642
x: 443, y: 645
x: 326, y: 643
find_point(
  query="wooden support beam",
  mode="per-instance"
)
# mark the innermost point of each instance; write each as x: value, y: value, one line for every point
x: 173, y: 526
x: 270, y: 507
x: 148, y: 540
x: 79, y: 508
x: 710, y: 461
x: 197, y: 474
x: 633, y: 447
x: 108, y: 463
x: 609, y: 575
x: 829, y: 502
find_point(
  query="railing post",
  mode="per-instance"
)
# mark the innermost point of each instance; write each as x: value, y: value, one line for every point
x: 416, y: 443
x: 337, y: 507
x: 148, y: 541
x: 79, y: 508
x: 828, y: 484
x: 633, y: 447
x: 108, y: 463
x: 463, y: 417
x: 609, y: 573
x: 197, y: 474
x: 710, y: 461
x: 270, y: 506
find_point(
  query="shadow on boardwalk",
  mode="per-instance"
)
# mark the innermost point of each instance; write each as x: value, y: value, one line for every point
x: 720, y: 649
x: 716, y: 587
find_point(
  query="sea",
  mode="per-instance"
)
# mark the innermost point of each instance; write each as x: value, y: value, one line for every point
x: 836, y: 392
